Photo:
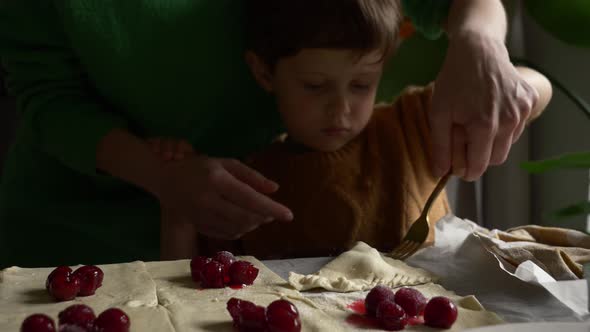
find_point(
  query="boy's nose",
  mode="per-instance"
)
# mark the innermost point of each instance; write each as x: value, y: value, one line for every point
x: 339, y: 106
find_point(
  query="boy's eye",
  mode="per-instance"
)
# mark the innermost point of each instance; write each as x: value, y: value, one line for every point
x: 361, y: 86
x: 312, y: 87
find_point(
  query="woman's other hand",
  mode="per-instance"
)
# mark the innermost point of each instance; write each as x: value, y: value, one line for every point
x: 224, y: 198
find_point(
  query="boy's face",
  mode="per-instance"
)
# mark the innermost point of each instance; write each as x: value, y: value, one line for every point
x: 325, y: 96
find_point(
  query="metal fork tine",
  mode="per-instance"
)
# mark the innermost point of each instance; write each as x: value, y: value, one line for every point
x: 400, y: 249
x: 411, y: 250
x: 418, y: 232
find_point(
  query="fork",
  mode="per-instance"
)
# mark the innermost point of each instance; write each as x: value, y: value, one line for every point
x: 418, y: 232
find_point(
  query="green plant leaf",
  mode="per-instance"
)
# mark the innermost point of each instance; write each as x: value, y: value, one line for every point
x: 581, y: 208
x: 573, y: 160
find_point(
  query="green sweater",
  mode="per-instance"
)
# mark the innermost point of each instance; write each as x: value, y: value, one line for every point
x: 80, y: 68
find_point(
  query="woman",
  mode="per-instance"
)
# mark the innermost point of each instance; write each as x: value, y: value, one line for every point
x: 93, y: 79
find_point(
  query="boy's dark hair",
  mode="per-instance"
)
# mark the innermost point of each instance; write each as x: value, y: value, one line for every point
x: 281, y: 28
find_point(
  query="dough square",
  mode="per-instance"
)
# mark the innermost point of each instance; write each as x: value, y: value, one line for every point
x: 193, y: 309
x: 127, y: 286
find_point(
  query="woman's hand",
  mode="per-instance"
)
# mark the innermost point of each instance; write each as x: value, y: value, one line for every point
x: 224, y: 198
x: 481, y: 104
x: 480, y: 107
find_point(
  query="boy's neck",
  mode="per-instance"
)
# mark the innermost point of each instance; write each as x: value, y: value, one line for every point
x: 297, y: 147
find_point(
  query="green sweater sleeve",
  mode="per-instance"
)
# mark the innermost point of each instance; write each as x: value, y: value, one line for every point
x: 427, y: 15
x: 58, y: 108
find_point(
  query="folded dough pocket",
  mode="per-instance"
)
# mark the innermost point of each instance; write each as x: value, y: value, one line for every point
x: 361, y: 268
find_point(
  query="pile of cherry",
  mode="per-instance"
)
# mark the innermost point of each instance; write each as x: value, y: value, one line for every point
x: 279, y: 316
x: 394, y: 310
x: 79, y: 318
x: 223, y: 269
x: 63, y: 284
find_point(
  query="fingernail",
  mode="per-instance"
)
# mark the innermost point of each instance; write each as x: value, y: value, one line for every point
x: 273, y: 185
x: 289, y: 216
x: 269, y: 219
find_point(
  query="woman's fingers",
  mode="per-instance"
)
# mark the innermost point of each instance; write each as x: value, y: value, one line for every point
x: 501, y: 147
x: 441, y: 123
x: 249, y: 176
x: 245, y: 196
x: 245, y: 220
x: 205, y: 191
x: 479, y: 149
x: 459, y: 159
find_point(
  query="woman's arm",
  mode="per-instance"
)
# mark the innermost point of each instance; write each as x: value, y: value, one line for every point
x: 58, y: 111
x: 129, y: 158
x: 543, y: 88
x: 63, y: 117
x: 483, y: 17
x: 481, y: 103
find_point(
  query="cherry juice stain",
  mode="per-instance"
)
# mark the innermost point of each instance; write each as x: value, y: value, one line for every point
x: 236, y: 287
x: 358, y: 307
x: 360, y: 319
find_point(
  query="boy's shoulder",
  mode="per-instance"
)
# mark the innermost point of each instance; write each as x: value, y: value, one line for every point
x: 414, y: 100
x: 422, y: 92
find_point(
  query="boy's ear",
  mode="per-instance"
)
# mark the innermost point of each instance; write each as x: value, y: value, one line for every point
x: 260, y: 70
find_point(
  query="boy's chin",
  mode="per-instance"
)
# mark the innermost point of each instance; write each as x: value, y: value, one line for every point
x: 327, y: 146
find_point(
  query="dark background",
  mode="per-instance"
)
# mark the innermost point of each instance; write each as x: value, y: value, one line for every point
x: 7, y: 120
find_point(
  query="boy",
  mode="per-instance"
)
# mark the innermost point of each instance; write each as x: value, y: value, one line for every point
x: 348, y: 170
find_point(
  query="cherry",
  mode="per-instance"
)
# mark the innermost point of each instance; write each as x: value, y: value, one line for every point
x: 440, y: 312
x: 411, y: 300
x: 247, y: 316
x: 90, y: 279
x: 38, y: 323
x: 77, y: 315
x: 212, y: 275
x: 282, y: 316
x: 252, y: 318
x: 57, y: 270
x: 226, y: 259
x: 197, y: 264
x: 112, y: 320
x: 242, y: 273
x: 64, y: 286
x: 234, y: 308
x: 377, y: 295
x: 391, y: 316
x: 72, y: 328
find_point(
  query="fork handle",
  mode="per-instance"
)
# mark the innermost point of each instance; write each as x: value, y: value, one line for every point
x: 439, y: 187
